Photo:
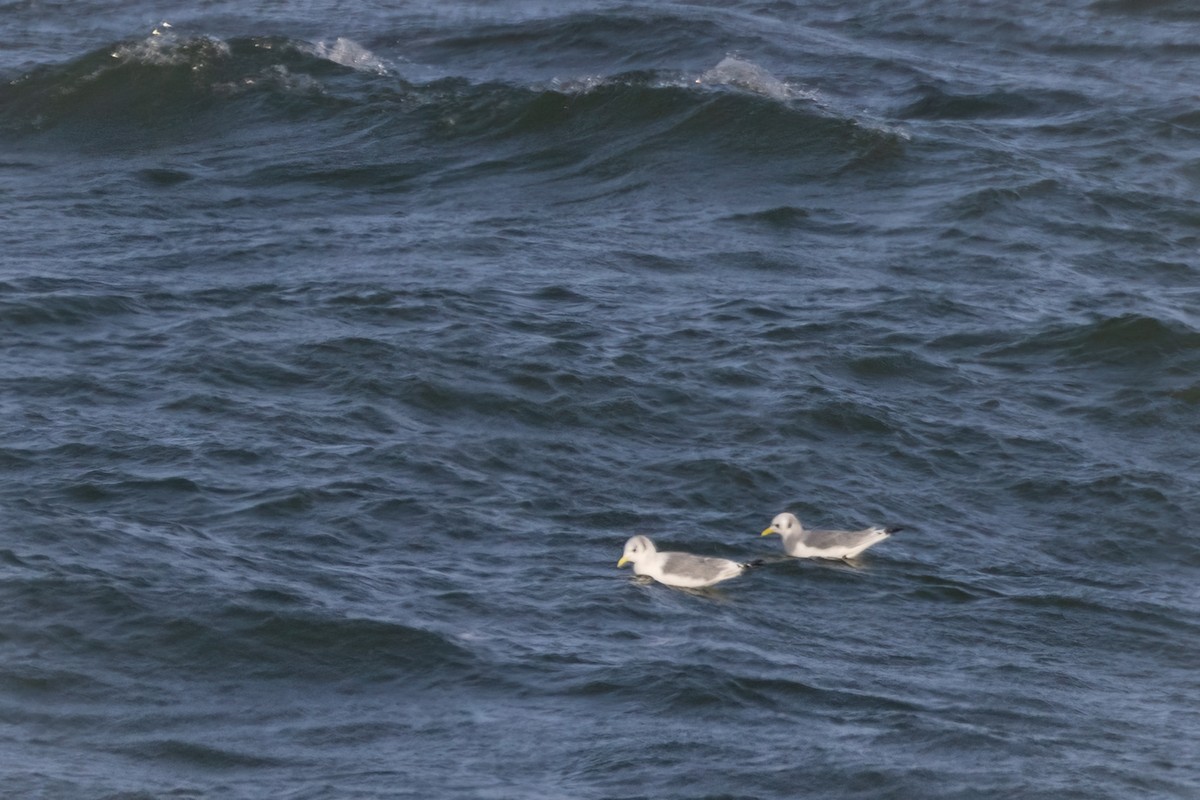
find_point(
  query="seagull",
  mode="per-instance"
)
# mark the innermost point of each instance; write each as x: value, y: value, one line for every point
x: 824, y: 544
x: 682, y: 570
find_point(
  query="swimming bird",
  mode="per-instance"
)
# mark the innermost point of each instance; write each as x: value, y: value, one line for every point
x: 824, y: 544
x: 683, y: 570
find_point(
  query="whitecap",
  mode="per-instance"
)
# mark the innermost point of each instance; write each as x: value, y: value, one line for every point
x: 581, y: 85
x: 748, y: 76
x: 349, y: 53
x: 164, y: 48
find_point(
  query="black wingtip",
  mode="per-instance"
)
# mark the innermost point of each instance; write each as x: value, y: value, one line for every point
x: 890, y: 531
x: 758, y: 562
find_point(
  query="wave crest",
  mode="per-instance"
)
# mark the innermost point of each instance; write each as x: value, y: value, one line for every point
x: 147, y: 80
x: 741, y: 74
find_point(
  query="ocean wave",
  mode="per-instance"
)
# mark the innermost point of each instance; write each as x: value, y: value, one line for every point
x: 1165, y: 10
x: 151, y: 81
x: 939, y: 103
x: 192, y: 755
x: 1130, y: 340
x: 169, y: 88
x: 68, y: 303
x: 678, y: 686
x: 624, y: 124
x: 261, y: 632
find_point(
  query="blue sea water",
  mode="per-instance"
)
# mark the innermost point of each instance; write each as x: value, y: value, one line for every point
x: 343, y: 349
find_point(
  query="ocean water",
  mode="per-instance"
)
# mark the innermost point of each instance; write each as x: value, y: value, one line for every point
x: 343, y: 347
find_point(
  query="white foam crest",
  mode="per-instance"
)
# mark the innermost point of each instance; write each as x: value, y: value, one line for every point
x: 581, y: 85
x: 164, y: 48
x: 350, y: 53
x: 748, y: 76
x: 876, y: 126
x: 277, y: 77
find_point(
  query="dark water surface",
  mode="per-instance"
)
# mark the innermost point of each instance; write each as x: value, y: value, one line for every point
x: 343, y: 348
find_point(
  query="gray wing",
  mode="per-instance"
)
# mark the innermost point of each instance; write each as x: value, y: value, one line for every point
x: 700, y: 568
x: 828, y: 539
